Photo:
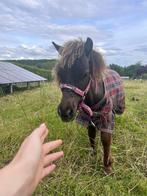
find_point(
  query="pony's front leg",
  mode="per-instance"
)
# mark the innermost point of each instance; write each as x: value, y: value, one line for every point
x: 92, y: 135
x: 106, y: 139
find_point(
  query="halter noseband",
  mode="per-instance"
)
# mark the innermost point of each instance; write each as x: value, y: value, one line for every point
x: 81, y: 93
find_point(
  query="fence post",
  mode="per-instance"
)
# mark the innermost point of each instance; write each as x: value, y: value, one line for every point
x: 11, y: 88
x: 28, y: 85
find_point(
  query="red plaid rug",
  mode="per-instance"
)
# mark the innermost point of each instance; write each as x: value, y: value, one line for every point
x: 114, y: 103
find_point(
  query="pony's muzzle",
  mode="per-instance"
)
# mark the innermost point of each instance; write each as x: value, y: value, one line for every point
x: 66, y: 114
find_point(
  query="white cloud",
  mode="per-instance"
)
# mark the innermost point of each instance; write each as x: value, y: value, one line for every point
x: 30, y: 3
x: 25, y: 51
x: 116, y: 27
x: 101, y: 50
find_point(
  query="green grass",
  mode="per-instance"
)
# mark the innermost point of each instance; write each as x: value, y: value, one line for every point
x: 78, y: 173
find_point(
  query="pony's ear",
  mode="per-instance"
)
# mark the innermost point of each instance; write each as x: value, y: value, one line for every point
x: 88, y: 46
x: 58, y: 48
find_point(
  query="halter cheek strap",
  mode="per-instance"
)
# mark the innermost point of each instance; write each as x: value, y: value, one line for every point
x: 81, y: 93
x: 86, y: 108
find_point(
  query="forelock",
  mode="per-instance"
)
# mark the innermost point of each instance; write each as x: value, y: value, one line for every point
x: 72, y: 50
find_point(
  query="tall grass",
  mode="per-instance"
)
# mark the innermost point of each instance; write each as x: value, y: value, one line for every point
x: 78, y: 173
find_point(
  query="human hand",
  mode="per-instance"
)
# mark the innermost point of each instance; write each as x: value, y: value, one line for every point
x: 33, y: 162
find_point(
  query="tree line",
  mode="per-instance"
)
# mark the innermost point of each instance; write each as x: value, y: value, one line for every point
x: 44, y: 68
x: 134, y: 71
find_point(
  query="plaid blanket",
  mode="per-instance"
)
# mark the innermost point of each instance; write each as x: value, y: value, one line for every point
x: 113, y: 102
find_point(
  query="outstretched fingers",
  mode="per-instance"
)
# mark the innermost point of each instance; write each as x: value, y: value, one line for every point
x: 52, y: 157
x: 48, y: 166
x: 47, y: 147
x: 48, y: 170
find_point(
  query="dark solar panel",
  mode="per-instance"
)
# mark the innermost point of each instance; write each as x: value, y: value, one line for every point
x: 10, y: 73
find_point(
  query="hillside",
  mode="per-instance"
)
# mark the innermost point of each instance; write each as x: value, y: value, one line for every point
x: 78, y: 173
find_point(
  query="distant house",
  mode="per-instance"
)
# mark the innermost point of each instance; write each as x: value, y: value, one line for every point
x: 11, y: 75
x: 125, y: 77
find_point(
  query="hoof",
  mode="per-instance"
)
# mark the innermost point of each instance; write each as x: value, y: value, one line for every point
x: 92, y: 152
x: 111, y: 160
x: 108, y: 170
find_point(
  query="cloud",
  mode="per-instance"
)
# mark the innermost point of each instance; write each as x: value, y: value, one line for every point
x: 141, y: 48
x: 25, y: 51
x: 118, y: 28
x: 30, y: 3
x: 101, y: 50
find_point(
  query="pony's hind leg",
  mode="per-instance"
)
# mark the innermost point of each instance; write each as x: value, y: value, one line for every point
x: 106, y: 139
x: 92, y: 135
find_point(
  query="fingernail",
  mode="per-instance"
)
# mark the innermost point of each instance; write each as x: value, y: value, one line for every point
x: 60, y: 141
x: 53, y: 166
x: 43, y: 125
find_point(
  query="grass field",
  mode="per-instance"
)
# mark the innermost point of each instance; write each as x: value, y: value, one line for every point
x: 78, y: 173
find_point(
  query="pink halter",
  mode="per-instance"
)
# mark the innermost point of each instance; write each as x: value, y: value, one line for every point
x: 78, y: 91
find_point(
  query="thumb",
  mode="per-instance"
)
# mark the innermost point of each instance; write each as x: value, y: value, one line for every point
x: 41, y: 132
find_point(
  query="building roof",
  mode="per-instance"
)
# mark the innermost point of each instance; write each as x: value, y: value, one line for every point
x: 10, y: 73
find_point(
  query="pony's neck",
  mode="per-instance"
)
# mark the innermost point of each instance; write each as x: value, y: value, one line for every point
x: 96, y: 93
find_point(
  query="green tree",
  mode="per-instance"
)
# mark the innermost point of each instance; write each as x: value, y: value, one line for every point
x: 119, y: 69
x: 132, y: 70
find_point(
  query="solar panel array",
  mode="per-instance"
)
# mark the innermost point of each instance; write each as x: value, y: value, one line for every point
x: 10, y: 73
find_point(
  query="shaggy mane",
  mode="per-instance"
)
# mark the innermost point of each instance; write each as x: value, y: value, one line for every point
x: 75, y: 49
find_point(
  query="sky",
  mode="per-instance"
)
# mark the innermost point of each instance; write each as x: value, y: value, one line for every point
x: 118, y: 28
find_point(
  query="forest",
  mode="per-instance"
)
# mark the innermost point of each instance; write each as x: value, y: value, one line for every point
x: 44, y: 68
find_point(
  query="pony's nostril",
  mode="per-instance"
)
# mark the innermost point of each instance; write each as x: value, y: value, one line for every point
x: 69, y: 113
x: 65, y: 114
